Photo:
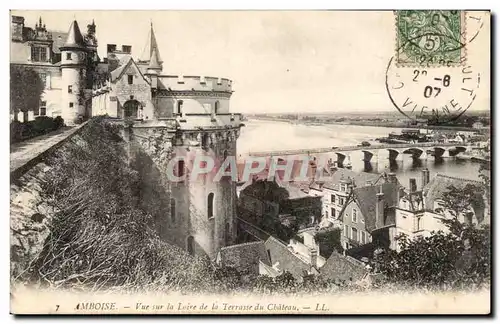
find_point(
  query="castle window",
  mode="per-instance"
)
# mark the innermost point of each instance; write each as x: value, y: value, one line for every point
x: 70, y: 105
x: 180, y: 168
x: 204, y: 141
x: 38, y: 54
x: 216, y: 108
x: 210, y: 205
x: 43, y: 108
x: 126, y: 49
x: 333, y: 212
x: 363, y: 237
x: 172, y: 210
x: 190, y: 245
x: 43, y: 77
x: 130, y: 79
x: 70, y: 89
x: 179, y: 107
x: 68, y: 56
x: 346, y: 231
x: 354, y: 215
x: 332, y: 199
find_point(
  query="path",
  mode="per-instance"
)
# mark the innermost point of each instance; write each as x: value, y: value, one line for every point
x: 25, y: 152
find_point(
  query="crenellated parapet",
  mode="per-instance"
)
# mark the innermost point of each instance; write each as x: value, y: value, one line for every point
x: 194, y: 83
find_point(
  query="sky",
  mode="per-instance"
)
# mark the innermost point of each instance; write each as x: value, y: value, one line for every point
x: 279, y: 61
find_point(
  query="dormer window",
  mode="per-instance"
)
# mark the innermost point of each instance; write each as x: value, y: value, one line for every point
x: 68, y: 56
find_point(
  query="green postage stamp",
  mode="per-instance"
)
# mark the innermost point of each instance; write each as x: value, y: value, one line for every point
x: 430, y: 37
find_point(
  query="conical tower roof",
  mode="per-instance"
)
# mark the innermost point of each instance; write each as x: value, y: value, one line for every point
x: 74, y: 38
x: 151, y: 45
x: 154, y: 62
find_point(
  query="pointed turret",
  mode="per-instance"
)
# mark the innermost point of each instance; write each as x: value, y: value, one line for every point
x: 74, y: 38
x: 151, y: 45
x: 154, y: 62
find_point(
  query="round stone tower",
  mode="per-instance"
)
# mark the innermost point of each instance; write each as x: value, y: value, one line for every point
x: 73, y: 80
x: 206, y: 136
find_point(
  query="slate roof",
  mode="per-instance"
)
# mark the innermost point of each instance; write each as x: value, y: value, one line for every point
x: 344, y: 268
x: 366, y: 198
x: 245, y: 257
x: 286, y: 259
x: 438, y: 186
x: 360, y: 178
x: 74, y: 37
x: 58, y: 40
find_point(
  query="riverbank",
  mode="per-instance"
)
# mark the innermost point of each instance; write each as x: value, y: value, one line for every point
x: 379, y: 124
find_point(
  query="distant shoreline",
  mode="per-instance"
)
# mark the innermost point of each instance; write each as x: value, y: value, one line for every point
x: 375, y: 124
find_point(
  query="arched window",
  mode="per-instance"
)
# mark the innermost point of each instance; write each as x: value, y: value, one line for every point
x: 210, y: 205
x: 179, y: 107
x: 216, y: 108
x: 190, y: 245
x: 172, y: 210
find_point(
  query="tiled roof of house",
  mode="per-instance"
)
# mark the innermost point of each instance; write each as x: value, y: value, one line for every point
x: 439, y: 185
x: 360, y: 178
x: 245, y: 257
x: 286, y: 260
x: 344, y: 268
x: 366, y: 198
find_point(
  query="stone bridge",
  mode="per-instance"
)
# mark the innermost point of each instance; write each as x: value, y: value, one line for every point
x: 416, y: 150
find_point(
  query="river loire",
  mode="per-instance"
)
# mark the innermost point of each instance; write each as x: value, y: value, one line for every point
x: 260, y: 135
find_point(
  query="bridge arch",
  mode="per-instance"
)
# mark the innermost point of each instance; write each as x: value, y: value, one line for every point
x: 340, y: 158
x: 415, y: 152
x: 367, y: 155
x: 393, y: 153
x: 439, y: 151
x: 453, y: 151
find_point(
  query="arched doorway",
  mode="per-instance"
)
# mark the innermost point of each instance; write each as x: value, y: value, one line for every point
x: 131, y: 108
x: 190, y: 245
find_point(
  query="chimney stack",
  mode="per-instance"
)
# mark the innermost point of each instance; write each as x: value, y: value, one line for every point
x: 413, y: 184
x: 379, y: 209
x: 313, y: 253
x: 425, y: 177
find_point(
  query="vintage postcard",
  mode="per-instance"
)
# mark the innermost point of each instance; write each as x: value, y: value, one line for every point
x: 250, y: 162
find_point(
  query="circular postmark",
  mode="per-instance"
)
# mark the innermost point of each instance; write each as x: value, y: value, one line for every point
x: 439, y: 94
x: 435, y: 37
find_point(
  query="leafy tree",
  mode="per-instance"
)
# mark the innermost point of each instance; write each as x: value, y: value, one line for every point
x: 457, y: 259
x: 26, y: 89
x: 329, y: 241
x: 457, y: 201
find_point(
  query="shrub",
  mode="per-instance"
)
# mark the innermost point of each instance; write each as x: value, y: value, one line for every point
x: 40, y: 126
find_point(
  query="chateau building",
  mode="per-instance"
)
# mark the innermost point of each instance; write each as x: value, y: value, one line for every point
x: 164, y: 119
x: 65, y: 61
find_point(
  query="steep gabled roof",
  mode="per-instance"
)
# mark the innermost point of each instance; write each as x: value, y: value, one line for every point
x: 366, y: 199
x: 125, y: 62
x: 360, y: 179
x: 287, y: 260
x: 438, y: 186
x: 245, y: 257
x: 343, y: 268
